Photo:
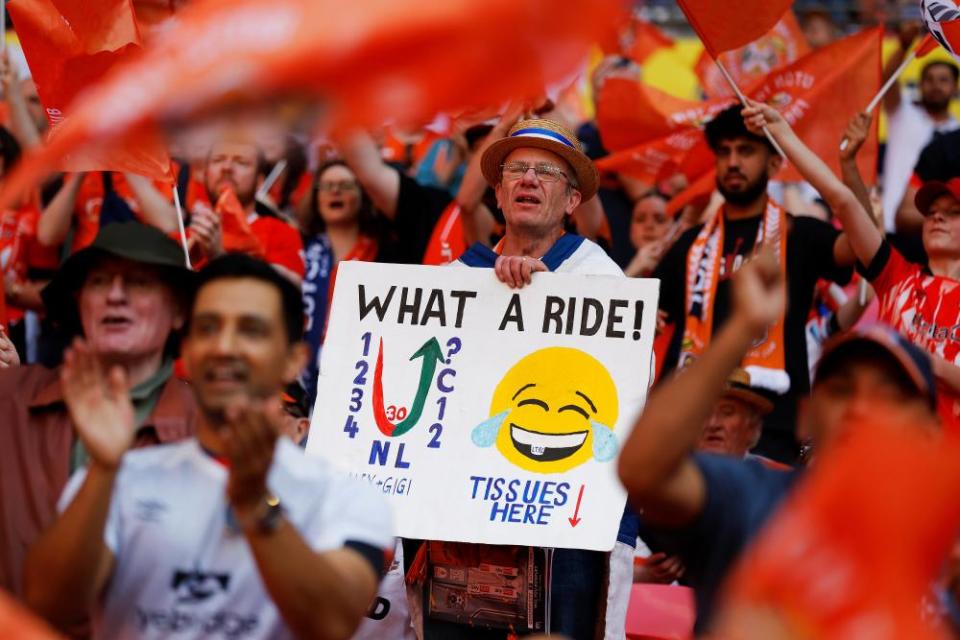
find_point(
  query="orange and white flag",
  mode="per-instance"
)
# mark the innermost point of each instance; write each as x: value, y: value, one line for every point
x: 783, y: 44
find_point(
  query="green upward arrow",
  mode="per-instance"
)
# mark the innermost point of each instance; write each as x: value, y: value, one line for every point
x: 431, y: 354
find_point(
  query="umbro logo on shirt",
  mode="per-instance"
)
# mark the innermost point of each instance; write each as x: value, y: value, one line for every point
x: 150, y: 510
x: 196, y: 586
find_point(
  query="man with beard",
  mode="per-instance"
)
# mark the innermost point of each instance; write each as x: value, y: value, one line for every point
x: 695, y: 275
x: 235, y: 170
x: 911, y: 125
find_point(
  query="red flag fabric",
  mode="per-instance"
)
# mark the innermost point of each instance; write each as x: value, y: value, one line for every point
x: 926, y: 45
x: 69, y: 47
x: 367, y: 60
x: 237, y: 235
x: 825, y: 564
x: 723, y: 26
x: 647, y: 39
x: 446, y: 242
x: 631, y: 113
x: 819, y: 93
x: 783, y: 44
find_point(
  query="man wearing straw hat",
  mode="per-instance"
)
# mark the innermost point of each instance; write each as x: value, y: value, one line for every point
x: 541, y: 175
x: 126, y: 295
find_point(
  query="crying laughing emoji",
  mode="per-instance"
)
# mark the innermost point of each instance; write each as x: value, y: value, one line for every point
x: 553, y: 411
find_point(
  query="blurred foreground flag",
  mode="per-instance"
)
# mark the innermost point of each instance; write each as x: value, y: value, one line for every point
x: 856, y: 547
x: 724, y: 26
x: 70, y: 46
x: 364, y: 61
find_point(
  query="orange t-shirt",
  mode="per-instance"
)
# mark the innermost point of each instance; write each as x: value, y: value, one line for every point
x: 86, y: 210
x: 282, y: 244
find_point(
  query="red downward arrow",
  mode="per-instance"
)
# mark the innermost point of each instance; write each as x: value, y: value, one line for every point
x: 574, y: 521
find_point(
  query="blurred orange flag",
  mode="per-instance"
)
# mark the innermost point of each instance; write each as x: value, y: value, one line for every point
x: 859, y: 543
x: 783, y: 44
x: 70, y: 46
x: 724, y: 26
x: 819, y: 94
x: 928, y: 44
x: 366, y: 60
x: 630, y: 113
x: 237, y: 236
x: 647, y: 39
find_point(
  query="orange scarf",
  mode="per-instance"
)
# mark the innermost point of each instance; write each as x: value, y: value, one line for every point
x: 766, y: 360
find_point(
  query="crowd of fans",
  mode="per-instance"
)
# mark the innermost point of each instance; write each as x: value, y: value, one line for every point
x: 155, y: 381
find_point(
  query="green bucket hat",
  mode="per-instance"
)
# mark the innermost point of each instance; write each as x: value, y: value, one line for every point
x: 132, y: 241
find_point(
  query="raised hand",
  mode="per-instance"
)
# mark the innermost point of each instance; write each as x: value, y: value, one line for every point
x: 99, y: 405
x: 855, y: 135
x: 646, y: 259
x: 205, y: 230
x: 249, y: 440
x: 757, y: 115
x: 517, y: 271
x: 759, y: 292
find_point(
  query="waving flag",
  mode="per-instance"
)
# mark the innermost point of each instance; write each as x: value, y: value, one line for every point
x: 630, y: 113
x: 647, y: 39
x: 725, y: 26
x: 783, y: 44
x: 365, y: 60
x: 71, y: 46
x: 942, y: 18
x: 819, y: 93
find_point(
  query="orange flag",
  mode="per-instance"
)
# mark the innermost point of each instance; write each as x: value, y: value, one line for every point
x: 631, y: 113
x: 783, y: 44
x: 819, y: 93
x: 856, y: 547
x: 646, y: 40
x: 366, y: 60
x: 928, y: 44
x: 237, y: 236
x: 724, y: 26
x: 70, y: 46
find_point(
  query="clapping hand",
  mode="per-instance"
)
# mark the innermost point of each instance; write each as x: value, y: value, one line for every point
x: 99, y: 404
x: 249, y: 439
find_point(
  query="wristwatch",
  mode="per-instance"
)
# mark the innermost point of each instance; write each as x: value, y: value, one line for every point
x: 265, y: 518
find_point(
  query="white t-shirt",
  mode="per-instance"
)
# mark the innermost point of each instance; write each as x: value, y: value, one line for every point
x: 588, y: 258
x: 909, y: 130
x: 181, y: 571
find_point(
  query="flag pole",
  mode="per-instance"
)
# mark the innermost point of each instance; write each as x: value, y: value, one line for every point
x: 910, y: 57
x: 743, y: 101
x: 270, y: 179
x: 183, y: 233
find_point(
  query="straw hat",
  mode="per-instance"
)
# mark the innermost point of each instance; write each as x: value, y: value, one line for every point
x: 547, y: 135
x: 738, y: 386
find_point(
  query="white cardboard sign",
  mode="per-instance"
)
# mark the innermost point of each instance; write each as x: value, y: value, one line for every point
x: 486, y: 414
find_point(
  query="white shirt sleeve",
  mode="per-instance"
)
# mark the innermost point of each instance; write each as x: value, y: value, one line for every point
x: 351, y: 511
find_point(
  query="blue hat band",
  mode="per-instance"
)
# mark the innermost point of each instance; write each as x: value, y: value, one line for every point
x: 534, y: 132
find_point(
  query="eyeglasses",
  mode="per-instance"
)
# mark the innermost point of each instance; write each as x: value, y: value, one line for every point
x: 338, y: 185
x: 545, y: 172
